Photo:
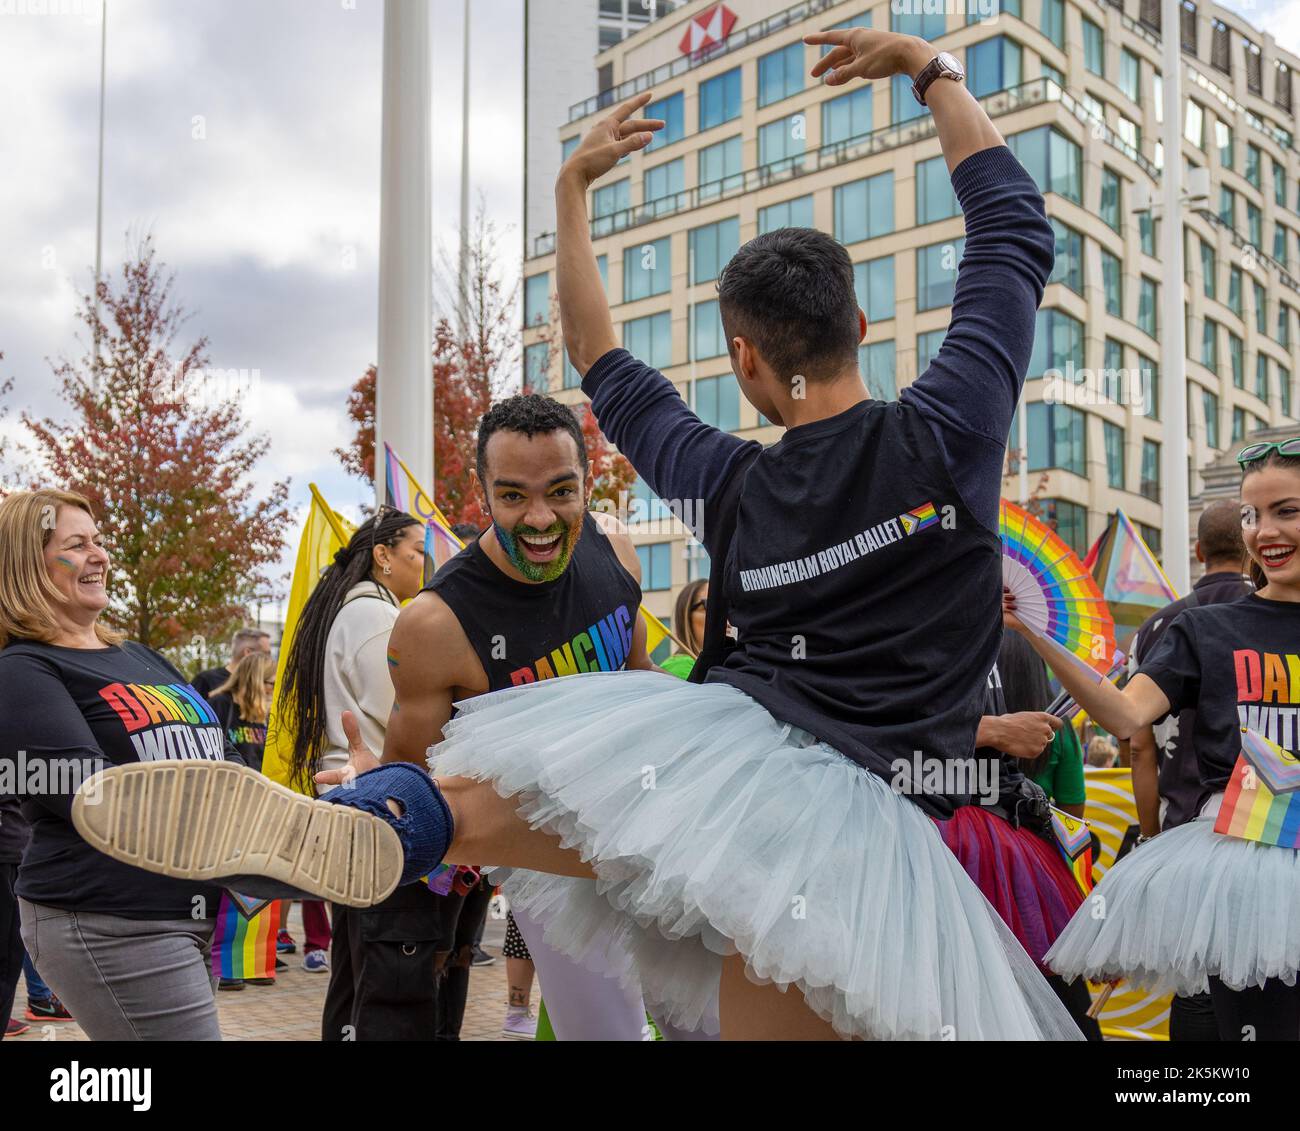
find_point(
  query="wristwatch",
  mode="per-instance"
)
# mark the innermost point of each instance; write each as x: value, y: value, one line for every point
x: 944, y: 66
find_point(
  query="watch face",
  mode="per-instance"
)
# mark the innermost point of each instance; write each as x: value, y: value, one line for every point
x: 951, y: 63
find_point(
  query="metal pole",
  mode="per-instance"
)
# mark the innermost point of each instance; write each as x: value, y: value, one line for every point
x: 99, y: 184
x: 1022, y: 442
x: 463, y: 291
x: 404, y: 390
x: 1173, y: 345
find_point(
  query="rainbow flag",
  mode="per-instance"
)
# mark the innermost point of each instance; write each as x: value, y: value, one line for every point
x: 244, y: 947
x: 919, y: 519
x: 1262, y: 801
x: 440, y: 546
x: 1074, y: 839
x: 1130, y: 578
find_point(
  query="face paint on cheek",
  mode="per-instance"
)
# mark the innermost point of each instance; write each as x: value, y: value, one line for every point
x: 66, y: 563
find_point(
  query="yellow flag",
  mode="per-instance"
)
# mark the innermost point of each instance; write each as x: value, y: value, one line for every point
x: 325, y: 534
x: 655, y: 633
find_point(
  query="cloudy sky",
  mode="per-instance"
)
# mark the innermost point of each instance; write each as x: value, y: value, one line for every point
x: 245, y: 136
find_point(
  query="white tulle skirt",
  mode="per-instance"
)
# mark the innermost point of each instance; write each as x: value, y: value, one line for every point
x: 714, y: 829
x: 1185, y: 905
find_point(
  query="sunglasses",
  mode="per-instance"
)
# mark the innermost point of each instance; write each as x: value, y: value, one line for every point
x: 703, y: 603
x: 1252, y: 452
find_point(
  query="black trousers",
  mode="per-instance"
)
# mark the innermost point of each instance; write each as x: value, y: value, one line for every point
x: 382, y: 969
x: 1270, y: 1012
x: 463, y: 919
x: 1075, y: 997
x: 11, y: 943
x: 1192, y: 1018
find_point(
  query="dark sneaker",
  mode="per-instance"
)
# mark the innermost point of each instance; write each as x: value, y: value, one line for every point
x: 259, y: 981
x: 284, y: 943
x: 481, y: 957
x: 51, y: 1009
x: 16, y: 1028
x: 201, y: 820
x: 281, y: 964
x: 230, y: 984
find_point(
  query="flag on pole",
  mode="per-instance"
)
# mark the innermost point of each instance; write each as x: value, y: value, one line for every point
x: 1131, y: 579
x: 440, y: 544
x: 325, y: 534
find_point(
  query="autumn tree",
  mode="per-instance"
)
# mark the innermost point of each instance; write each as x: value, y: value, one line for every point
x: 157, y: 441
x: 473, y: 368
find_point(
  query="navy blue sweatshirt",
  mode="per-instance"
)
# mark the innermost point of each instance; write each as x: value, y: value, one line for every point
x: 875, y: 642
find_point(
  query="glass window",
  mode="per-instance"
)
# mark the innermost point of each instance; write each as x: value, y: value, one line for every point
x: 717, y: 401
x: 650, y: 339
x: 935, y: 199
x: 1050, y: 72
x: 1052, y: 159
x: 1149, y: 484
x: 1252, y: 163
x: 992, y: 65
x: 1057, y: 438
x: 847, y: 116
x: 1284, y: 325
x: 1129, y: 133
x: 903, y: 106
x: 1069, y: 520
x: 936, y: 273
x: 672, y: 111
x: 697, y: 563
x: 720, y: 169
x: 1152, y: 536
x: 1279, y: 184
x: 568, y: 145
x: 1147, y: 232
x: 536, y: 360
x: 1058, y: 343
x: 1261, y: 377
x: 537, y: 299
x: 1227, y: 206
x: 1052, y: 23
x: 1194, y: 124
x: 1234, y: 291
x: 1112, y: 207
x: 647, y: 269
x: 1113, y: 435
x: 780, y: 74
x: 1210, y: 405
x: 707, y: 338
x: 1254, y: 225
x: 797, y: 213
x: 665, y: 180
x: 1210, y: 345
x: 1149, y: 387
x: 571, y: 378
x: 1279, y: 244
x: 1130, y: 74
x: 1148, y: 306
x: 720, y: 99
x: 878, y: 364
x: 1068, y: 268
x: 1237, y: 359
x: 1284, y: 388
x: 873, y: 282
x: 1208, y: 270
x: 608, y: 199
x: 1238, y: 424
x: 864, y: 209
x: 711, y: 246
x: 781, y: 143
x: 1094, y: 48
x: 927, y: 348
x: 928, y: 25
x: 1112, y: 275
x: 656, y: 566
x: 1261, y: 307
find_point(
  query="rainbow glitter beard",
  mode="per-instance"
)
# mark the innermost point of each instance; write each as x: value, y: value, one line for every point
x: 531, y: 570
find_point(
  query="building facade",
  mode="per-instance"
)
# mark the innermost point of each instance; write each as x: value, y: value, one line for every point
x: 753, y: 144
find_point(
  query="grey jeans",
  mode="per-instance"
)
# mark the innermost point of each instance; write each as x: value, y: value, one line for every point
x: 127, y: 979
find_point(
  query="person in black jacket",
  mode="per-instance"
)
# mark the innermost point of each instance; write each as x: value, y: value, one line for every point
x: 246, y: 642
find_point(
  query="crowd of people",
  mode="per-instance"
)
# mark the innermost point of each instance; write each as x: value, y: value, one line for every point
x: 778, y: 833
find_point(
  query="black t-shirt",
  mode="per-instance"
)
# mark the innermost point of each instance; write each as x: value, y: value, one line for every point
x: 78, y: 711
x: 1238, y: 664
x: 1180, y: 776
x: 205, y: 683
x: 247, y: 737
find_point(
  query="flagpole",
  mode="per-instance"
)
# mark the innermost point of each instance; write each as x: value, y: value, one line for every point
x: 463, y: 295
x: 99, y: 184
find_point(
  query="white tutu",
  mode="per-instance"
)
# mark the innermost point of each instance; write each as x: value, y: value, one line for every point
x: 712, y: 829
x: 1187, y: 904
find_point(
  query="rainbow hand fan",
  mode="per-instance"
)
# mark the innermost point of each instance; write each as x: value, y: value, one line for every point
x: 1056, y: 596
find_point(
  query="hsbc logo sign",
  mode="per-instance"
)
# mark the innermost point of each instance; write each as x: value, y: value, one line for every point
x: 709, y: 28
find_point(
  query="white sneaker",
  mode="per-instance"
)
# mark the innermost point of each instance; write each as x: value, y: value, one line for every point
x: 521, y: 1024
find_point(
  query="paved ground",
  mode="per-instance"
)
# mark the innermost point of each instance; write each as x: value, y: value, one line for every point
x: 291, y: 1009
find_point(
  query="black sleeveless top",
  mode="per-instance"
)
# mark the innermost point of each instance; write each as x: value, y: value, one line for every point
x: 521, y: 631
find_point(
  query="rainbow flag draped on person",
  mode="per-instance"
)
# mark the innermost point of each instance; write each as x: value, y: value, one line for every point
x: 1262, y: 799
x: 325, y: 533
x: 404, y: 492
x: 244, y: 946
x: 1131, y: 579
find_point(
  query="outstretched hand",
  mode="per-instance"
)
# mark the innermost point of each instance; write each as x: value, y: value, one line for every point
x: 863, y: 53
x: 612, y: 139
x: 360, y: 757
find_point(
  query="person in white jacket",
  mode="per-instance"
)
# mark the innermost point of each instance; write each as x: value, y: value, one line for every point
x: 382, y: 960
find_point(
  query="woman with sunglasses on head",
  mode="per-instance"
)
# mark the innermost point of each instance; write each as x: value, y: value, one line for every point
x: 126, y: 950
x: 688, y: 624
x: 1191, y: 906
x: 382, y: 969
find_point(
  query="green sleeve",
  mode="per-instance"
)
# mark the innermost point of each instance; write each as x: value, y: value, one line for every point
x: 1067, y: 781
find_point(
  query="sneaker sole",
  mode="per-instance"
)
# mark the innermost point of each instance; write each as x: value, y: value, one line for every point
x: 204, y: 820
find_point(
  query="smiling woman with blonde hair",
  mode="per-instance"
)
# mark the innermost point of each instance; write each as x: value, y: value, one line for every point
x: 125, y: 950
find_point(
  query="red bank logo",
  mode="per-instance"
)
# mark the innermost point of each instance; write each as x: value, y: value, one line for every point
x: 708, y: 29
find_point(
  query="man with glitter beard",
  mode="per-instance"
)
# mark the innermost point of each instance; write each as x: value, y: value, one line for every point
x: 551, y: 589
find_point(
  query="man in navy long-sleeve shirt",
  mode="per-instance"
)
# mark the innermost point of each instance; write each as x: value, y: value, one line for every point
x: 875, y: 641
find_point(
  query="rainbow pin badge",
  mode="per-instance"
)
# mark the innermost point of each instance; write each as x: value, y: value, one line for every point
x: 919, y: 519
x: 1262, y: 800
